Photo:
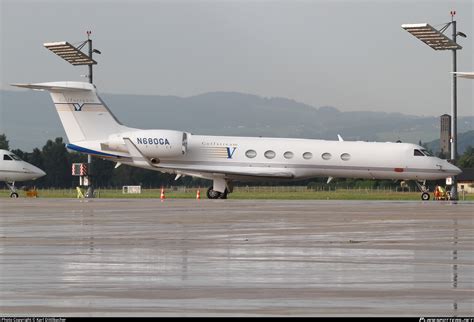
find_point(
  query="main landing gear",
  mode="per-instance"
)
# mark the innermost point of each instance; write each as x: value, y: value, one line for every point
x: 213, y: 194
x: 12, y: 188
x: 220, y: 188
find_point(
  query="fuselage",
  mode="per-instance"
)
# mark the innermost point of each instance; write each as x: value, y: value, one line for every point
x: 305, y: 158
x: 284, y: 158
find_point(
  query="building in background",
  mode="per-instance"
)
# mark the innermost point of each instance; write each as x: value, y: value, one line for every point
x: 466, y: 181
x: 445, y: 135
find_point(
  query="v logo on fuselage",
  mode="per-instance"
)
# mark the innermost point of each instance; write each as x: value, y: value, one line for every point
x: 77, y: 106
x: 230, y: 152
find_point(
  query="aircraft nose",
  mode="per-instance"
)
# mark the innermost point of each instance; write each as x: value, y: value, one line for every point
x: 452, y: 169
x: 456, y: 170
x: 36, y: 172
x: 40, y: 173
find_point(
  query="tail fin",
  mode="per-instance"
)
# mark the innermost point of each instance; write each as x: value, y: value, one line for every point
x: 84, y: 116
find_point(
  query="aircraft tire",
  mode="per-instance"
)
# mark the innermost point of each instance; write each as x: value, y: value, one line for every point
x: 425, y: 196
x: 223, y: 195
x: 14, y: 195
x: 212, y: 194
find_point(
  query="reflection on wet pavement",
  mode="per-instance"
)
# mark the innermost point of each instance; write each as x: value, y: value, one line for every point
x: 184, y: 257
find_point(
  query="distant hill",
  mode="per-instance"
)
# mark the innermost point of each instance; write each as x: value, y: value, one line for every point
x: 29, y: 118
x: 465, y: 140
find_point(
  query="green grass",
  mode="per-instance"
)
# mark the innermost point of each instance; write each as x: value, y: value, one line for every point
x: 242, y: 193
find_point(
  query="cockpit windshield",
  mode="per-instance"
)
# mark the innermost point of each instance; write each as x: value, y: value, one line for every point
x: 14, y: 157
x: 422, y: 153
x: 427, y: 153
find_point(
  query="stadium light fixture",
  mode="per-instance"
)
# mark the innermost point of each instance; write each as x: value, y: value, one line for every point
x: 69, y: 53
x: 438, y: 41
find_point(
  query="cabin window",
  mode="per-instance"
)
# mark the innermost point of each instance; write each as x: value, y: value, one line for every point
x: 288, y: 155
x: 269, y: 154
x: 427, y: 153
x: 251, y: 154
x: 14, y: 157
x: 345, y: 156
x: 307, y: 155
x: 418, y: 153
x: 326, y: 156
x: 7, y: 157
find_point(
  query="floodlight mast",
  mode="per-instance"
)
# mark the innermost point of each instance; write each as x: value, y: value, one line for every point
x: 454, y: 102
x: 76, y: 57
x: 90, y: 188
x: 89, y: 41
x: 438, y: 41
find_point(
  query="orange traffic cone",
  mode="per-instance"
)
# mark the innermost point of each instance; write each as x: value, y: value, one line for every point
x: 198, y: 194
x: 162, y: 195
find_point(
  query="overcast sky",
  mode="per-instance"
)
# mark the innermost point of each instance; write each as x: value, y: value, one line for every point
x: 352, y: 55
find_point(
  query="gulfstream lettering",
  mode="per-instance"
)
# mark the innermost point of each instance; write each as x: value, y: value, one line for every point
x: 157, y: 141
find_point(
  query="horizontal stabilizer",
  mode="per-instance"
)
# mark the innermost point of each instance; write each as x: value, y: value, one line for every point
x: 464, y: 74
x: 59, y: 86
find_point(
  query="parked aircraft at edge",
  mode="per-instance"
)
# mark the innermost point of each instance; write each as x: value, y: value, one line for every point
x: 91, y: 128
x: 13, y: 169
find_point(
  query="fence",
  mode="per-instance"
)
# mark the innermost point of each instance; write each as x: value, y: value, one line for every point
x: 185, y: 189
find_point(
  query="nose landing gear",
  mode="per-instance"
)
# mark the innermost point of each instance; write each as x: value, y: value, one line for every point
x: 425, y: 194
x: 12, y: 188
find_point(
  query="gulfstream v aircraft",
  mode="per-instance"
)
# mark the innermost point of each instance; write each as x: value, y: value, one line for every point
x: 13, y: 169
x: 92, y: 129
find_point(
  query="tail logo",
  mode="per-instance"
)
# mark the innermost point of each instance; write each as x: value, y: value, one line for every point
x: 78, y: 106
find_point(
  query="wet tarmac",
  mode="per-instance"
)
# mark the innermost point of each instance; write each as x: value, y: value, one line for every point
x: 144, y: 257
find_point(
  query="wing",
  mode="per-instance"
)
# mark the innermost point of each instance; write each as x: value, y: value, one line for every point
x: 235, y: 174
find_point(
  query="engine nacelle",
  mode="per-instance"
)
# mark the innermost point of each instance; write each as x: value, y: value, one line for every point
x: 154, y: 144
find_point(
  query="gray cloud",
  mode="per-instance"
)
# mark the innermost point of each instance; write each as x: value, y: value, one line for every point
x: 349, y: 54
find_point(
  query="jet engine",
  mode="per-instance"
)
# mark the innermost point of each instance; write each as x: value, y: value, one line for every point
x: 154, y: 144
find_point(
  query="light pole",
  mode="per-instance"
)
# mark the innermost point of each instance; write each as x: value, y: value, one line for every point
x: 438, y: 41
x: 90, y: 187
x: 76, y: 57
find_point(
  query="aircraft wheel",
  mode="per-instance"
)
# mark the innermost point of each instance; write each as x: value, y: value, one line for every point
x: 425, y: 196
x: 14, y: 195
x: 212, y: 194
x: 223, y: 195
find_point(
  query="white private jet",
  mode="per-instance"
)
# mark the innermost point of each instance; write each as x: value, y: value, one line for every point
x: 91, y: 128
x: 13, y: 169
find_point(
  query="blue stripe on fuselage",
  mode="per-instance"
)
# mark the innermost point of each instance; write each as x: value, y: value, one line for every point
x: 89, y: 151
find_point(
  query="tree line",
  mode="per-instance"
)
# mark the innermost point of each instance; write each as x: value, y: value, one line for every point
x: 56, y: 161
